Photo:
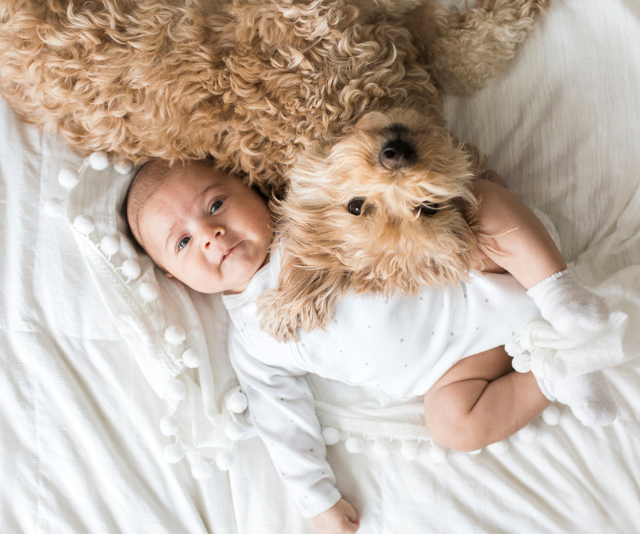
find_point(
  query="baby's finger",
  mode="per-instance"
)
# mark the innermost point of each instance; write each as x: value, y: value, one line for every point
x: 352, y: 519
x: 348, y: 527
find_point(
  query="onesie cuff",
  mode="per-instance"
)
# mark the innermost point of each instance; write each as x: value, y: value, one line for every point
x: 322, y: 505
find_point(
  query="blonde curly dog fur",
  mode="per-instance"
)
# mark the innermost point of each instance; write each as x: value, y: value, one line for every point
x: 329, y: 105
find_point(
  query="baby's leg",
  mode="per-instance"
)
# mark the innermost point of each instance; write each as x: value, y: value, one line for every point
x: 516, y: 240
x: 481, y: 400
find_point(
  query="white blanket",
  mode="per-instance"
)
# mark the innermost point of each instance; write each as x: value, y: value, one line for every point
x: 86, y: 372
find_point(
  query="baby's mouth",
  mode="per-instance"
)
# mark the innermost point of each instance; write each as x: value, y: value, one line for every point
x: 227, y: 252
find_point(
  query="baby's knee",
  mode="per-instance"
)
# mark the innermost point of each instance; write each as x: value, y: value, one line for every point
x: 458, y: 438
x: 453, y: 426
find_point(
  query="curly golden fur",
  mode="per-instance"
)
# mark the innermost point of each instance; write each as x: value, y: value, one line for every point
x: 299, y: 93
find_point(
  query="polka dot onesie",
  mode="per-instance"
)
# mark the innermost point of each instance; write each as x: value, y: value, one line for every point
x: 402, y: 345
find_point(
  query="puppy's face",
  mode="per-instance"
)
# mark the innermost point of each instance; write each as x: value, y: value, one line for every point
x: 388, y: 204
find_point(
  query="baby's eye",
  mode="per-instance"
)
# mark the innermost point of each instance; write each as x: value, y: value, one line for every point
x: 216, y: 206
x: 183, y: 243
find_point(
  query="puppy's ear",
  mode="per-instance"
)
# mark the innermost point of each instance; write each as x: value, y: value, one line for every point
x: 304, y: 298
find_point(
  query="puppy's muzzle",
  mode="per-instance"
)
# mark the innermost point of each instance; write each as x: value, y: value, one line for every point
x: 398, y: 154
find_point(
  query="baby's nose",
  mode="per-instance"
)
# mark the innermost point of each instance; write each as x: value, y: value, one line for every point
x: 211, y: 234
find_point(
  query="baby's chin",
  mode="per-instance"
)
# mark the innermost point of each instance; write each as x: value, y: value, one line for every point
x: 238, y: 286
x: 244, y: 279
x: 200, y: 287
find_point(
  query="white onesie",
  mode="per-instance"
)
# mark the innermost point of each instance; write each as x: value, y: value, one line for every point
x: 402, y: 345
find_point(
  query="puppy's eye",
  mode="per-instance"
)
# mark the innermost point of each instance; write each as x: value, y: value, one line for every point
x: 428, y: 208
x: 355, y: 206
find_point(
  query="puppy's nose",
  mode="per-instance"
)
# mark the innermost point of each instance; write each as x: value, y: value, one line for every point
x: 397, y: 154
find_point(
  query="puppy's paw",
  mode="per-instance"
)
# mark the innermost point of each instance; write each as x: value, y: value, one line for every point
x: 284, y: 313
x: 278, y: 319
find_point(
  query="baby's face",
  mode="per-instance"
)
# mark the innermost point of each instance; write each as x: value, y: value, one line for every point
x: 207, y: 229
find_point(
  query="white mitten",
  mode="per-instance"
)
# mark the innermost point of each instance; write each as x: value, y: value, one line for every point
x: 587, y: 395
x: 568, y: 306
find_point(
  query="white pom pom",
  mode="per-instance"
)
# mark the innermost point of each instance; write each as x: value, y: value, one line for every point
x: 191, y: 358
x: 234, y: 430
x: 330, y: 435
x: 173, y: 453
x: 354, y: 445
x: 174, y: 335
x: 237, y: 402
x: 551, y: 415
x: 131, y: 269
x: 438, y: 454
x: 382, y: 449
x: 109, y: 244
x: 176, y: 390
x: 410, y: 450
x: 84, y: 224
x: 68, y: 178
x: 224, y: 460
x: 53, y: 207
x: 148, y: 292
x: 99, y: 160
x: 527, y: 434
x: 201, y: 471
x: 169, y: 425
x: 123, y: 167
x: 499, y: 447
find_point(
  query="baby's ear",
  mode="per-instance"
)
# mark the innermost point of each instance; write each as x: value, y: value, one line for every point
x: 304, y: 298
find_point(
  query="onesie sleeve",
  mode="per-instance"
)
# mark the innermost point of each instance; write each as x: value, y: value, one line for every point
x: 282, y: 410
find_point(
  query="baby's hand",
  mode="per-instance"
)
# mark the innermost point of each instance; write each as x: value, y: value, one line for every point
x: 341, y: 518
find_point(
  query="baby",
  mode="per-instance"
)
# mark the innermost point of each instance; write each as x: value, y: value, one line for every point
x: 215, y: 234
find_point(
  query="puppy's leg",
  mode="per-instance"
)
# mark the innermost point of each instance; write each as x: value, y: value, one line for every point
x: 304, y: 298
x: 468, y: 48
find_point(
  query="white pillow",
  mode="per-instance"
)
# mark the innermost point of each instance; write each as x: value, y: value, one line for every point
x: 162, y: 321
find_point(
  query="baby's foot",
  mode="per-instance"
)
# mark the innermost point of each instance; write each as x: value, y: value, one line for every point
x: 587, y: 395
x: 570, y: 308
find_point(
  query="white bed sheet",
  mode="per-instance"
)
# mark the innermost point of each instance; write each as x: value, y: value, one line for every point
x: 80, y: 450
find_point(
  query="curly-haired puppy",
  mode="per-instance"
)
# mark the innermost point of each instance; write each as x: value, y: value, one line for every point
x: 336, y: 98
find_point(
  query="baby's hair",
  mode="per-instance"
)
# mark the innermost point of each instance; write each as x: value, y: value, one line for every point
x: 147, y: 180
